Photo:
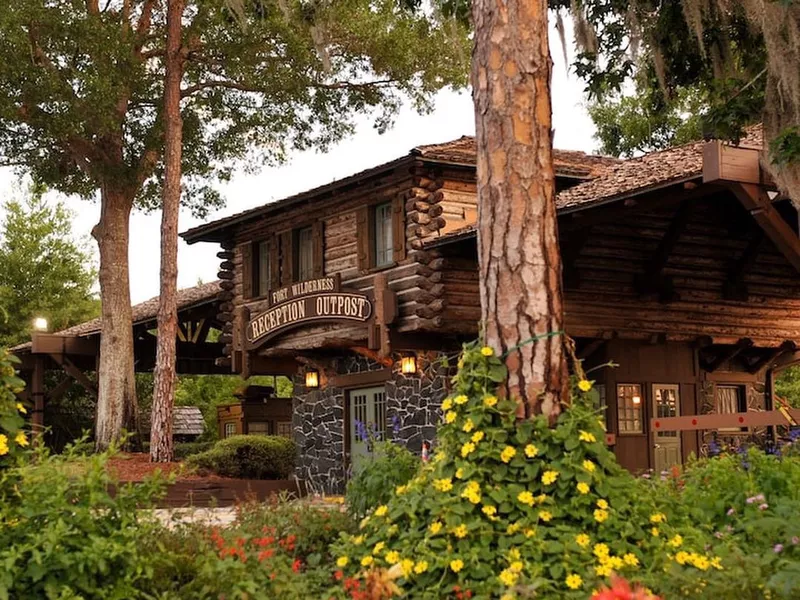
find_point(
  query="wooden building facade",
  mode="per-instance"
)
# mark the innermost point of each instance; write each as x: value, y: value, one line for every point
x: 681, y: 269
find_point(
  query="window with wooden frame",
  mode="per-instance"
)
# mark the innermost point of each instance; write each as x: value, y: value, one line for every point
x: 729, y: 399
x: 380, y: 231
x: 230, y: 429
x: 262, y: 268
x: 629, y: 409
x: 303, y: 254
x: 601, y: 403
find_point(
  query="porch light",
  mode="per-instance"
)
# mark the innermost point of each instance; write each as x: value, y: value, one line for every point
x: 312, y: 379
x: 408, y: 364
x: 637, y: 400
x: 40, y: 324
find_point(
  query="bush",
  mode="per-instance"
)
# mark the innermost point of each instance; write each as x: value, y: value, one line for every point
x: 373, y: 484
x: 183, y: 450
x: 248, y: 457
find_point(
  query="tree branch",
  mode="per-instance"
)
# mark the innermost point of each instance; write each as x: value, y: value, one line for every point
x: 234, y: 85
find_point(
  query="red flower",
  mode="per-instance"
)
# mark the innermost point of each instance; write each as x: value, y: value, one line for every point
x: 621, y: 590
x: 338, y: 575
x: 296, y: 565
x: 265, y: 554
x: 351, y: 583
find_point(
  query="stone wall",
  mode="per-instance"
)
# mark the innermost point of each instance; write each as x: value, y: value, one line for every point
x: 756, y: 398
x: 412, y: 411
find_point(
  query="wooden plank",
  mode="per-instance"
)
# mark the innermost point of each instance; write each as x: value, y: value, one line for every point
x: 762, y: 418
x: 318, y: 239
x: 398, y: 229
x: 51, y: 343
x: 362, y: 233
x: 361, y: 379
x: 74, y: 372
x: 247, y: 270
x: 730, y: 163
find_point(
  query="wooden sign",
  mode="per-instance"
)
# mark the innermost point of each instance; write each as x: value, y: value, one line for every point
x: 753, y: 418
x: 307, y: 302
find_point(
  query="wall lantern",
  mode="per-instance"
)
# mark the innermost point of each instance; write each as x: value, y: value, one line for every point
x: 637, y: 400
x: 408, y: 364
x: 40, y: 324
x: 312, y: 378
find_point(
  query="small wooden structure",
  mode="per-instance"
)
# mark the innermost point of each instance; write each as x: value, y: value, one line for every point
x: 187, y: 423
x: 258, y: 412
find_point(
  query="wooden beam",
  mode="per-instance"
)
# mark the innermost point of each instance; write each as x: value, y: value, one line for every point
x: 590, y: 348
x: 729, y: 353
x: 361, y: 379
x: 57, y: 392
x: 756, y: 200
x: 731, y: 163
x: 760, y: 418
x: 50, y: 343
x: 769, y: 357
x: 74, y: 372
x: 734, y: 287
x: 37, y: 395
x: 653, y: 279
x: 570, y: 253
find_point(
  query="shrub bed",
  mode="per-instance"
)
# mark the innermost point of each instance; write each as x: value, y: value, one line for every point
x: 373, y: 484
x: 248, y: 457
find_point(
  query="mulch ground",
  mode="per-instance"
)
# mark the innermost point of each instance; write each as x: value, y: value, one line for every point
x: 137, y: 466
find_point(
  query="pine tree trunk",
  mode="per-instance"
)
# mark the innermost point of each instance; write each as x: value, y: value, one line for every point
x: 116, y: 404
x: 520, y: 265
x: 164, y: 375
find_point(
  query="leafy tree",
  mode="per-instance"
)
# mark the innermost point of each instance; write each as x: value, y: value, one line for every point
x: 81, y: 109
x: 787, y: 385
x: 44, y: 271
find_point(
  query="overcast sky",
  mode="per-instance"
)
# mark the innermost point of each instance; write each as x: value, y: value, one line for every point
x: 452, y: 118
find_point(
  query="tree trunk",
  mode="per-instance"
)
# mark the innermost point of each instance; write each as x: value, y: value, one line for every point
x: 116, y: 402
x: 164, y: 375
x: 520, y: 265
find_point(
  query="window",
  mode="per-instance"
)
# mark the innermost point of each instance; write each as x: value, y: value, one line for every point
x: 230, y: 429
x: 258, y: 428
x: 667, y: 404
x: 284, y: 429
x: 629, y: 408
x: 383, y: 244
x: 729, y: 399
x: 263, y: 269
x: 304, y: 254
x: 601, y: 404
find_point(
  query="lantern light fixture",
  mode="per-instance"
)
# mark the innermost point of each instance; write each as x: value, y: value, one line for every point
x: 312, y: 378
x: 408, y: 364
x: 40, y: 324
x: 637, y: 400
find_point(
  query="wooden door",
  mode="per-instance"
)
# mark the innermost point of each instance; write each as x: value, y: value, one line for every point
x: 666, y: 444
x: 367, y: 422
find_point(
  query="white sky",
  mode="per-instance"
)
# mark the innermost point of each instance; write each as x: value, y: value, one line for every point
x: 452, y: 118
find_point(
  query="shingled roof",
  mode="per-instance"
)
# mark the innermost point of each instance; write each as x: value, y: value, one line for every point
x: 187, y: 420
x: 144, y: 311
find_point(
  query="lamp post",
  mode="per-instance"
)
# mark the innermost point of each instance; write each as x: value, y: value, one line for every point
x: 40, y: 324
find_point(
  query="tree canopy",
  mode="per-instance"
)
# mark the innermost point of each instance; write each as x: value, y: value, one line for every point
x: 44, y: 271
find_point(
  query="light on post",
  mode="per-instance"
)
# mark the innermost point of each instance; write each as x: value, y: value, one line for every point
x: 312, y: 379
x: 408, y: 364
x: 40, y: 324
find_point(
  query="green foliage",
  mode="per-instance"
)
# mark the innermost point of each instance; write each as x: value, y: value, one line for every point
x: 13, y: 438
x: 787, y: 385
x: 44, y: 272
x: 79, y: 81
x: 388, y: 467
x: 248, y: 457
x: 514, y: 508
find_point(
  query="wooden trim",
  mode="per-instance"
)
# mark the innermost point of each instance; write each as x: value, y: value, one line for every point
x: 249, y: 270
x: 275, y: 262
x: 760, y: 418
x: 318, y: 247
x: 51, y: 343
x: 356, y: 380
x: 287, y: 257
x: 731, y: 163
x: 398, y: 229
x: 362, y: 238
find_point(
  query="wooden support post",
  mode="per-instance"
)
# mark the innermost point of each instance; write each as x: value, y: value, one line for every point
x: 385, y: 312
x: 37, y: 395
x: 771, y: 356
x: 653, y: 279
x: 74, y: 372
x: 729, y: 354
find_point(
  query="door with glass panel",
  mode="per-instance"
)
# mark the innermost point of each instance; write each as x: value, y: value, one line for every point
x: 667, y: 444
x: 367, y: 422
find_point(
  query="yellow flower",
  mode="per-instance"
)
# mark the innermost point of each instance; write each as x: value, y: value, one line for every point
x: 676, y: 541
x: 589, y: 466
x: 3, y: 444
x: 447, y: 404
x: 21, y: 439
x: 460, y: 531
x: 716, y: 562
x: 393, y: 529
x: 435, y: 527
x: 407, y: 565
x: 489, y: 511
x: 421, y: 567
x: 513, y: 528
x: 526, y: 498
x: 582, y: 540
x: 366, y: 561
x: 514, y: 554
x: 477, y: 436
x: 529, y: 532
x: 584, y: 385
x: 443, y: 485
x: 549, y: 477
x: 342, y: 561
x: 516, y: 566
x: 531, y: 451
x: 379, y: 548
x: 508, y: 453
x: 602, y: 570
x: 508, y: 577
x: 657, y: 518
x: 490, y: 401
x: 585, y: 436
x: 468, y: 426
x: 392, y: 557
x: 487, y: 351
x: 630, y: 560
x: 654, y: 531
x: 456, y: 565
x: 574, y: 581
x: 460, y: 399
x: 583, y: 488
x: 459, y: 473
x: 358, y: 540
x: 541, y: 498
x: 467, y: 449
x: 472, y: 492
x: 602, y: 504
x: 600, y: 515
x: 21, y: 408
x: 401, y: 489
x: 506, y: 597
x: 450, y: 416
x: 682, y: 557
x: 615, y: 562
x: 600, y: 550
x: 545, y: 515
x: 701, y: 562
x: 381, y: 510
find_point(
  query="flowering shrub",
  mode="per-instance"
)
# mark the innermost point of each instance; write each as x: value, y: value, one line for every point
x: 512, y: 508
x: 373, y: 484
x: 13, y: 438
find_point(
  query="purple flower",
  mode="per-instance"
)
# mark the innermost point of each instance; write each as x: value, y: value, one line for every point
x: 777, y: 548
x: 763, y: 506
x: 645, y: 475
x: 719, y: 535
x: 795, y: 541
x: 728, y: 528
x: 751, y: 500
x: 395, y: 425
x: 731, y: 511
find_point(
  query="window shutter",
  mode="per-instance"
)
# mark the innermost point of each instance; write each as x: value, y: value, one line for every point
x: 247, y: 270
x: 362, y: 237
x: 287, y: 258
x: 398, y: 229
x: 318, y: 237
x: 275, y: 263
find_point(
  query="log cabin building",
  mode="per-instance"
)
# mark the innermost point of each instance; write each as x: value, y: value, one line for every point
x: 681, y: 266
